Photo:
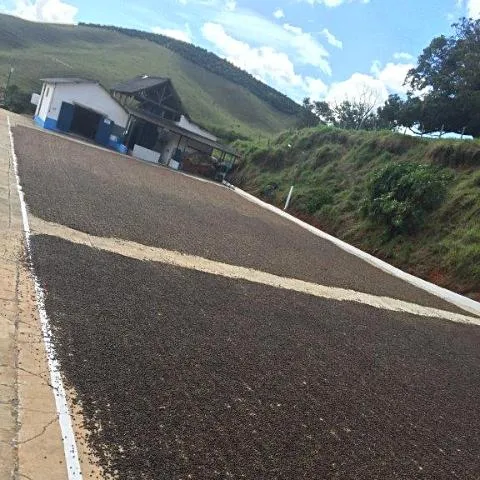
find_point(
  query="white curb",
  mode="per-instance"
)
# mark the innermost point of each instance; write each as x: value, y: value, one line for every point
x: 64, y: 419
x: 460, y: 301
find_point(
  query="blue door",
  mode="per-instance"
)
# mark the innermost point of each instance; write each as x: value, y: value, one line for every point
x: 104, y: 131
x: 65, y: 117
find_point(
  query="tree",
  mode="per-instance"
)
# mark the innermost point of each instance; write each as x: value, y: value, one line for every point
x: 307, y: 118
x: 397, y: 112
x: 16, y: 100
x: 356, y: 113
x: 324, y: 112
x: 445, y: 85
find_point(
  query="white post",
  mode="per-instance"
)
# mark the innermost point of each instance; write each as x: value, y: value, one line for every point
x: 287, y: 203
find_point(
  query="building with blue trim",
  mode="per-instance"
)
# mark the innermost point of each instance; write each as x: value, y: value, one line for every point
x: 82, y: 107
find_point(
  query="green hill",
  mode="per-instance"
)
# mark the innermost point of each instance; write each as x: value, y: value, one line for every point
x: 411, y: 201
x: 38, y: 50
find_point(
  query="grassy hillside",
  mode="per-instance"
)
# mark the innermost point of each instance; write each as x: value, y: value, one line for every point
x: 39, y: 50
x: 431, y: 228
x: 214, y: 63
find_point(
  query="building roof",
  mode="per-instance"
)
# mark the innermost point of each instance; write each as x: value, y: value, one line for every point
x: 173, y: 127
x: 142, y: 82
x: 67, y: 80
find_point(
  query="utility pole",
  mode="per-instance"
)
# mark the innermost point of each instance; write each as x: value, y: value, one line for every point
x: 7, y: 85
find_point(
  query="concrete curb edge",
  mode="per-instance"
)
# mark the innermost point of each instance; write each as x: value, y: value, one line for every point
x: 456, y: 299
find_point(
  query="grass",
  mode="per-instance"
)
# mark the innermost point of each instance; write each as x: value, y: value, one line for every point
x: 331, y: 170
x: 39, y: 50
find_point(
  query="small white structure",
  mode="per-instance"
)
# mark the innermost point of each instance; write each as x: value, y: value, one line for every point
x: 145, y: 154
x: 82, y: 107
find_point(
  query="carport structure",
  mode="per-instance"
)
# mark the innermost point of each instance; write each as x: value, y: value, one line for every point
x: 182, y: 140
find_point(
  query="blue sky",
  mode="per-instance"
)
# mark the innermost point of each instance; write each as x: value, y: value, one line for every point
x: 325, y: 49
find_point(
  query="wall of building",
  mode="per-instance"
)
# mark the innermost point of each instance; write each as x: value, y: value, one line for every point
x: 43, y: 106
x: 39, y: 104
x: 88, y: 95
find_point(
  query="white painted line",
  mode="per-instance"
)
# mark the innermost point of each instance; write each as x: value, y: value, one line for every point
x: 70, y: 447
x: 192, y: 262
x: 460, y: 301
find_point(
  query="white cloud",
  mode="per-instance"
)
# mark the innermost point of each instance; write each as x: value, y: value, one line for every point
x: 265, y: 63
x: 383, y: 81
x: 357, y: 85
x: 392, y: 75
x: 230, y: 5
x: 314, y: 88
x: 331, y: 38
x: 257, y: 30
x: 308, y: 50
x: 279, y: 13
x: 473, y: 8
x: 51, y: 11
x: 403, y: 56
x: 183, y: 35
x: 333, y: 3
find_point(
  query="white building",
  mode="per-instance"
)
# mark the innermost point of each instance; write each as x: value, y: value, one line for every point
x: 81, y: 107
x: 144, y: 116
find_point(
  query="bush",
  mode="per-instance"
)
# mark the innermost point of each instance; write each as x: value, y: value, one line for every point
x: 401, y: 194
x: 450, y: 154
x: 18, y: 101
x: 312, y: 200
x: 325, y: 154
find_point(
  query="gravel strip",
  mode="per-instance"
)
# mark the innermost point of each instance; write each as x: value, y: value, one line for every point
x: 182, y: 374
x: 109, y: 195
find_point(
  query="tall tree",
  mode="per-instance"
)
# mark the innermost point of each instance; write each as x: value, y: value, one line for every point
x: 358, y: 112
x: 445, y: 84
x: 307, y: 117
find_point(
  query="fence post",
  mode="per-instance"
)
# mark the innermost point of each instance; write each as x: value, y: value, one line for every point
x: 289, y: 197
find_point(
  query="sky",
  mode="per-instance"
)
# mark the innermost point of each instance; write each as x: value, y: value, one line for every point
x: 324, y: 49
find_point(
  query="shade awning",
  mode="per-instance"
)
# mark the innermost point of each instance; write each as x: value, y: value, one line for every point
x: 172, y: 127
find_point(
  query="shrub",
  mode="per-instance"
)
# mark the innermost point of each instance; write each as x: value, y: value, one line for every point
x: 17, y: 100
x: 312, y: 200
x: 325, y: 154
x: 450, y: 154
x: 401, y: 194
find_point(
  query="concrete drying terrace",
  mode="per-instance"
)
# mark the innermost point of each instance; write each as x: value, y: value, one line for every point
x: 262, y: 352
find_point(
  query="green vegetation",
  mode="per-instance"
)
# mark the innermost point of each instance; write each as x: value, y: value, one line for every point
x: 444, y: 93
x: 411, y: 201
x: 15, y: 100
x: 41, y: 50
x: 400, y: 195
x: 449, y: 70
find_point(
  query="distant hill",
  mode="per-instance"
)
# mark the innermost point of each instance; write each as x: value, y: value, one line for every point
x: 220, y: 97
x: 213, y: 63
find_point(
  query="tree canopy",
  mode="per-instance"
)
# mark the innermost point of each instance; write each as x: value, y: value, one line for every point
x: 352, y: 114
x: 445, y: 85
